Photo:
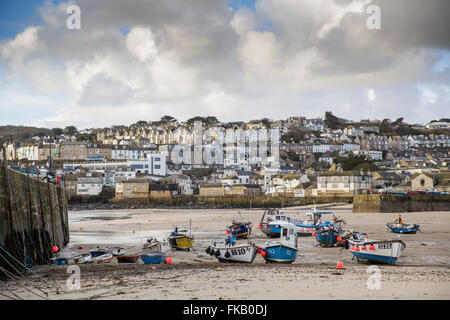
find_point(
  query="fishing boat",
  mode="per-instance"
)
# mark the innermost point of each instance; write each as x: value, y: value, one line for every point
x: 400, y: 227
x: 283, y: 250
x: 128, y: 258
x: 59, y: 260
x: 104, y: 258
x: 384, y: 251
x: 80, y: 259
x: 180, y: 240
x: 272, y: 221
x: 240, y: 229
x: 308, y: 226
x: 116, y: 251
x: 98, y: 252
x: 151, y: 244
x: 230, y: 251
x: 153, y: 257
x: 327, y: 232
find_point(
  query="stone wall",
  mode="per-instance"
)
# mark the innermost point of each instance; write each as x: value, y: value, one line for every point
x: 400, y: 203
x: 33, y: 218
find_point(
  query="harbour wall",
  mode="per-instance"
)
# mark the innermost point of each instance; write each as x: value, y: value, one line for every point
x: 33, y: 219
x: 400, y: 203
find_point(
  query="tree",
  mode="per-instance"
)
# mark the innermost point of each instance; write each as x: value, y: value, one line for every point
x: 331, y: 121
x: 70, y: 130
x: 167, y: 119
x: 56, y: 131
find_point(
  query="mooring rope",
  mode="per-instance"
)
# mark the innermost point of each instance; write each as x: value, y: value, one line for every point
x: 7, y: 288
x: 19, y: 283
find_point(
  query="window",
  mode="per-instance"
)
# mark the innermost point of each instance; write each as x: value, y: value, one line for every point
x: 157, y: 166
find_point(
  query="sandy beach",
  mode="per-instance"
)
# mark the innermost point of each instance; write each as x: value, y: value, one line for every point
x: 422, y: 272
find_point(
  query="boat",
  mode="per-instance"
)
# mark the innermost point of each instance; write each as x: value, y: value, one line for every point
x: 180, y: 240
x: 400, y: 227
x: 128, y: 258
x: 104, y: 258
x: 98, y: 252
x: 116, y: 251
x: 230, y: 251
x: 384, y: 251
x: 275, y: 220
x: 59, y: 260
x: 152, y: 257
x: 151, y: 244
x: 80, y: 259
x: 308, y: 226
x: 327, y: 232
x: 283, y: 250
x: 240, y: 229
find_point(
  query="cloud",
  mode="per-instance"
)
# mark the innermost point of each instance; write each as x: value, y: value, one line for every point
x: 188, y: 57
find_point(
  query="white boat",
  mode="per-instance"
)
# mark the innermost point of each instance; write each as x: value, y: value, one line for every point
x: 283, y: 250
x: 104, y: 258
x: 153, y: 244
x: 80, y: 259
x: 383, y: 251
x: 229, y: 251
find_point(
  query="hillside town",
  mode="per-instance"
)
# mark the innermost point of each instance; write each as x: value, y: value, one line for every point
x: 296, y: 157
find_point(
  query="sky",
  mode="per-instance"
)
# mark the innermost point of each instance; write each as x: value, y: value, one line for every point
x: 237, y: 60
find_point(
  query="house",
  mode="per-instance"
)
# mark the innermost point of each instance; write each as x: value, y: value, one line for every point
x: 183, y: 181
x: 385, y: 179
x: 69, y: 182
x: 243, y: 190
x: 212, y: 190
x: 133, y: 188
x: 90, y: 184
x: 345, y: 182
x: 431, y: 181
x: 162, y: 190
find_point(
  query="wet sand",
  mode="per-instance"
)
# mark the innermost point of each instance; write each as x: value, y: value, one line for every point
x: 422, y: 272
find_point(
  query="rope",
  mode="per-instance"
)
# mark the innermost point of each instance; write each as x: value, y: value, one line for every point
x: 11, y: 276
x: 53, y: 285
x: 7, y: 288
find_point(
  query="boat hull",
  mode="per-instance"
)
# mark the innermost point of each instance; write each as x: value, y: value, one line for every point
x: 382, y: 251
x: 410, y: 229
x: 238, y: 253
x: 153, y: 257
x: 326, y: 238
x: 128, y: 259
x: 181, y: 242
x: 280, y: 254
x: 242, y: 231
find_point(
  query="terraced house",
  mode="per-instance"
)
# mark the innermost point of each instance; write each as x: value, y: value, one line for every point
x: 343, y: 183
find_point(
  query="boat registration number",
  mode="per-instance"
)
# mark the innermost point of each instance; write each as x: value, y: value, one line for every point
x: 385, y: 245
x: 237, y: 252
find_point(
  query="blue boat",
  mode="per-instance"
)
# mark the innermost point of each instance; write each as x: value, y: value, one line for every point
x: 240, y: 229
x: 98, y: 252
x: 399, y: 227
x: 274, y: 222
x: 310, y: 224
x: 327, y: 232
x: 283, y: 250
x: 153, y: 257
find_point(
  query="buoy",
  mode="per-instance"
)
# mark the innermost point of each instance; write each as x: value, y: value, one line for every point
x: 218, y: 269
x: 217, y: 253
x: 259, y: 251
x: 263, y: 253
x: 339, y: 238
x: 357, y: 249
x: 314, y: 234
x: 55, y: 249
x: 352, y: 248
x: 259, y: 226
x: 340, y: 265
x: 211, y: 252
x: 81, y: 228
x: 363, y: 248
x: 80, y: 247
x: 208, y: 249
x: 227, y: 232
x: 371, y: 247
x: 227, y: 254
x: 367, y: 236
x: 169, y: 260
x: 153, y: 268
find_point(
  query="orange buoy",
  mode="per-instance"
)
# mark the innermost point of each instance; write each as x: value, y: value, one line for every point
x: 55, y: 248
x: 263, y: 253
x: 357, y: 249
x: 259, y: 226
x: 259, y: 251
x: 352, y: 248
x: 80, y: 247
x: 340, y: 265
x: 169, y: 260
x: 363, y: 248
x: 371, y: 247
x: 314, y: 234
x: 339, y: 238
x: 367, y: 236
x: 153, y: 268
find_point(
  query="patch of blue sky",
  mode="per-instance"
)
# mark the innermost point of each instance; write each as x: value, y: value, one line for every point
x: 16, y: 15
x: 443, y: 63
x: 238, y: 4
